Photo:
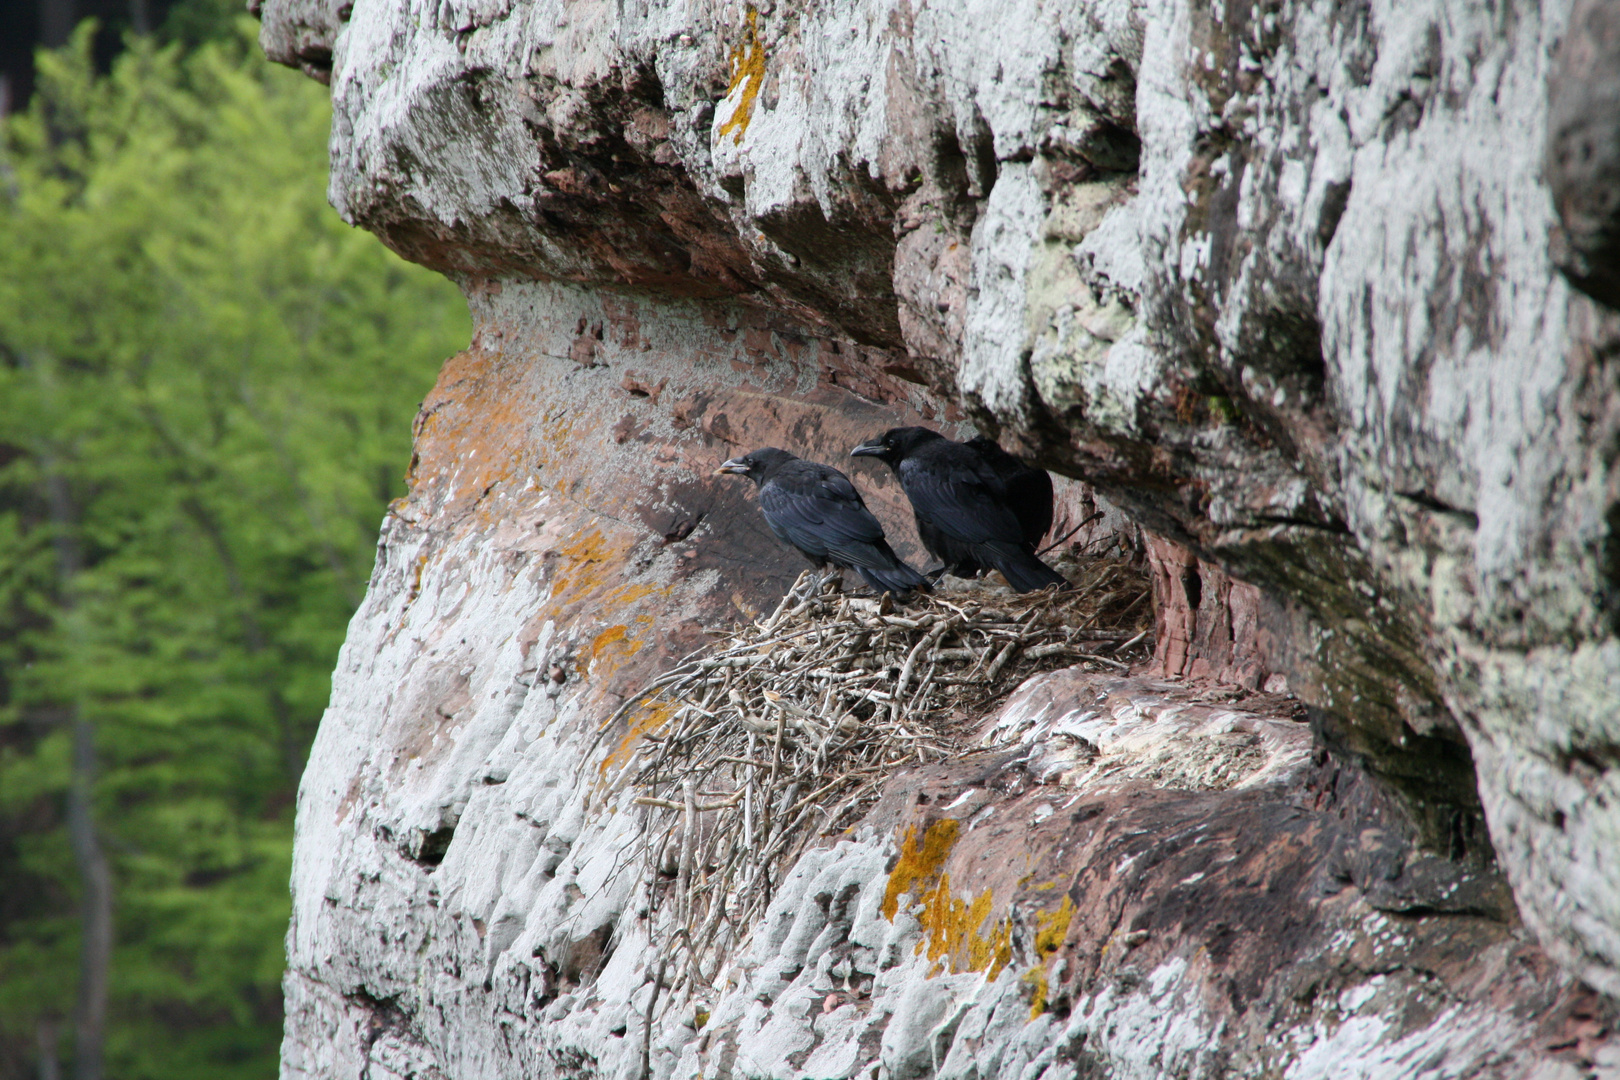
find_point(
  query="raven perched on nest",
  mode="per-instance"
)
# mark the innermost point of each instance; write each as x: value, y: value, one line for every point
x: 975, y: 511
x: 817, y: 510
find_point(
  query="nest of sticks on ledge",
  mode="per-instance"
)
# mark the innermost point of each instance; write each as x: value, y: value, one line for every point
x: 788, y: 731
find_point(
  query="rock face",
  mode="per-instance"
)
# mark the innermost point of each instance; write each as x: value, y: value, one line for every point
x: 1284, y: 284
x: 1583, y: 150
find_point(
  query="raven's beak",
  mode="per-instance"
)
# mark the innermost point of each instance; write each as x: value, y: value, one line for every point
x: 735, y: 465
x: 870, y: 448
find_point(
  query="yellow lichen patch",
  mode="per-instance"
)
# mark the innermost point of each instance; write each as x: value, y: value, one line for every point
x: 748, y: 72
x: 416, y: 578
x: 649, y: 720
x: 991, y: 954
x: 470, y: 436
x: 951, y: 932
x: 589, y: 562
x: 1051, y: 927
x: 1035, y: 977
x: 613, y: 635
x: 951, y: 927
x: 919, y: 864
x: 631, y: 593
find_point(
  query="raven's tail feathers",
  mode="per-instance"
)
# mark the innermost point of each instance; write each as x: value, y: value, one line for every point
x: 901, y: 579
x: 1022, y: 569
x: 887, y: 572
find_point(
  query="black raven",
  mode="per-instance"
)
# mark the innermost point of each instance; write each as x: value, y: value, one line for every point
x: 966, y: 514
x: 1029, y: 490
x: 815, y: 508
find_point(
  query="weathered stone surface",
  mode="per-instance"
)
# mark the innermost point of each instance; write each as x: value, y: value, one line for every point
x: 1583, y: 149
x: 301, y: 35
x: 461, y: 856
x: 1278, y: 281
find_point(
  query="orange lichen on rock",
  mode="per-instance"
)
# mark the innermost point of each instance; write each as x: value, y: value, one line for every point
x: 613, y: 635
x: 747, y: 71
x: 471, y: 432
x: 1052, y: 927
x: 919, y: 864
x: 650, y: 719
x: 951, y: 926
x: 588, y: 581
x: 951, y: 932
x: 606, y: 638
x: 613, y: 646
x: 589, y: 561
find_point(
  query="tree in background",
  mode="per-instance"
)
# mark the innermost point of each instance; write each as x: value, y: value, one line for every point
x: 206, y: 385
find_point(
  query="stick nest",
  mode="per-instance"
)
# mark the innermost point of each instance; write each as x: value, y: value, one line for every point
x: 789, y: 729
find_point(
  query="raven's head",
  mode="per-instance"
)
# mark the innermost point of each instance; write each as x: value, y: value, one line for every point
x: 896, y: 444
x: 756, y: 466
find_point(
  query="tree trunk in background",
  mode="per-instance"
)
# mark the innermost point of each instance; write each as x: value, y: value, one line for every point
x: 90, y: 1015
x: 90, y: 1012
x: 49, y: 1069
x: 56, y: 21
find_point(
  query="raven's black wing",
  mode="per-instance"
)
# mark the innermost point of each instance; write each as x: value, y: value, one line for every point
x: 817, y: 510
x: 1029, y: 490
x: 817, y: 514
x: 958, y: 494
x: 1031, y: 493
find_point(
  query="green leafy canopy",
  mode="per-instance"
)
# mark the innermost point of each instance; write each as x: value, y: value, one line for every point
x: 219, y: 375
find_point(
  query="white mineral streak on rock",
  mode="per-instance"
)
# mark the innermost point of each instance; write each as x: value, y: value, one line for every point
x: 1359, y: 1047
x: 997, y: 339
x: 528, y: 864
x: 1144, y: 736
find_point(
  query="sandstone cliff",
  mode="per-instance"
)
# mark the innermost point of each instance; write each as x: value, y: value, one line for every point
x: 1309, y: 299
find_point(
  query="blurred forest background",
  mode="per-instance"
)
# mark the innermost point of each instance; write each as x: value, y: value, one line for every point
x: 206, y: 388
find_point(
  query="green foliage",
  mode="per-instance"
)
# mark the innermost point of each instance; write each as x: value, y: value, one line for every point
x: 217, y: 376
x: 197, y: 22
